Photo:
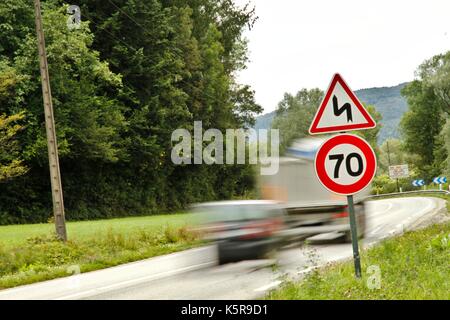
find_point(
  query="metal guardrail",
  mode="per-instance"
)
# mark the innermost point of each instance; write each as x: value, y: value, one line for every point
x: 407, y: 192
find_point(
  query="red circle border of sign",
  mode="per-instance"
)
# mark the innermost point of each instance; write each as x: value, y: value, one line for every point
x: 371, y: 164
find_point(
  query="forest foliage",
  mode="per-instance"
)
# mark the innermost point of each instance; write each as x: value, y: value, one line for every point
x: 425, y: 126
x: 132, y: 73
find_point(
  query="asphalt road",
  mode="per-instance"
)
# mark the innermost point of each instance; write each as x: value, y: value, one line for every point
x: 194, y: 274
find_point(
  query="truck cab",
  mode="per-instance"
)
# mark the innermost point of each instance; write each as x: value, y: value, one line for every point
x: 312, y: 210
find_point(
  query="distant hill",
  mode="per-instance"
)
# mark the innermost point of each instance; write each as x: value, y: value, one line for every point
x: 390, y: 104
x: 387, y: 100
x: 264, y: 121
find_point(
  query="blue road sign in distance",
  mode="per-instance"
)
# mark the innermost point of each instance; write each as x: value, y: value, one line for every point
x: 440, y: 180
x: 418, y: 183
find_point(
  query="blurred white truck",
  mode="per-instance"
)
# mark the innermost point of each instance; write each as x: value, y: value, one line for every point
x: 312, y: 210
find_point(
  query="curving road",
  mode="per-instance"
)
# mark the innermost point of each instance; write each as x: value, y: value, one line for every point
x: 193, y: 274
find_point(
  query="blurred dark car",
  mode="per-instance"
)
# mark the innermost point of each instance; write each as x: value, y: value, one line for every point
x: 244, y: 229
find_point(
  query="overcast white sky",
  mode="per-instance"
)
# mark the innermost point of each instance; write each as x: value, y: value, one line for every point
x: 301, y: 43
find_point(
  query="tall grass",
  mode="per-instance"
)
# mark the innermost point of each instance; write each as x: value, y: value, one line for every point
x: 413, y: 266
x: 44, y: 257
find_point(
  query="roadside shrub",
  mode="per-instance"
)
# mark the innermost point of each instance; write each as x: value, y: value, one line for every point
x: 171, y: 235
x: 413, y: 266
x: 382, y: 184
x: 440, y: 242
x: 45, y: 257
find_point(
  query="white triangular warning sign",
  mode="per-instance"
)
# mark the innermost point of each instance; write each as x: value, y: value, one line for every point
x: 340, y: 110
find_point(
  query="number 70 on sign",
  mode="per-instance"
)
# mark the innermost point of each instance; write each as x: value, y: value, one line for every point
x: 345, y: 164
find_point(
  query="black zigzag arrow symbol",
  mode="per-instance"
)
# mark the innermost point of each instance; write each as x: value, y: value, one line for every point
x: 346, y: 107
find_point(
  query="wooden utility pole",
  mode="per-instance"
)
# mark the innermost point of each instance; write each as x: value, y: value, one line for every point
x: 389, y: 153
x: 55, y: 176
x: 389, y: 162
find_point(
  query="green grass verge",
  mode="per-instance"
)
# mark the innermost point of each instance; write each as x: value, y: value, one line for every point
x: 31, y: 253
x: 412, y: 266
x: 82, y: 230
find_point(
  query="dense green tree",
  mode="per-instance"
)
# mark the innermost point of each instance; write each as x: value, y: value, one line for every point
x: 371, y: 135
x: 135, y: 71
x: 16, y: 22
x: 392, y: 152
x: 435, y: 73
x: 90, y: 122
x: 424, y: 125
x: 193, y: 53
x: 444, y: 155
x: 421, y: 124
x: 11, y: 164
x: 295, y: 114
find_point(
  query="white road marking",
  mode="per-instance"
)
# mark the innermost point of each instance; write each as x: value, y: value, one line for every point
x: 268, y: 286
x: 276, y: 283
x: 374, y: 231
x: 307, y: 270
x: 133, y: 281
x: 389, y: 207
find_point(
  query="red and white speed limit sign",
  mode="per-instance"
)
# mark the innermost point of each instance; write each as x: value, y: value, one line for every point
x: 345, y: 164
